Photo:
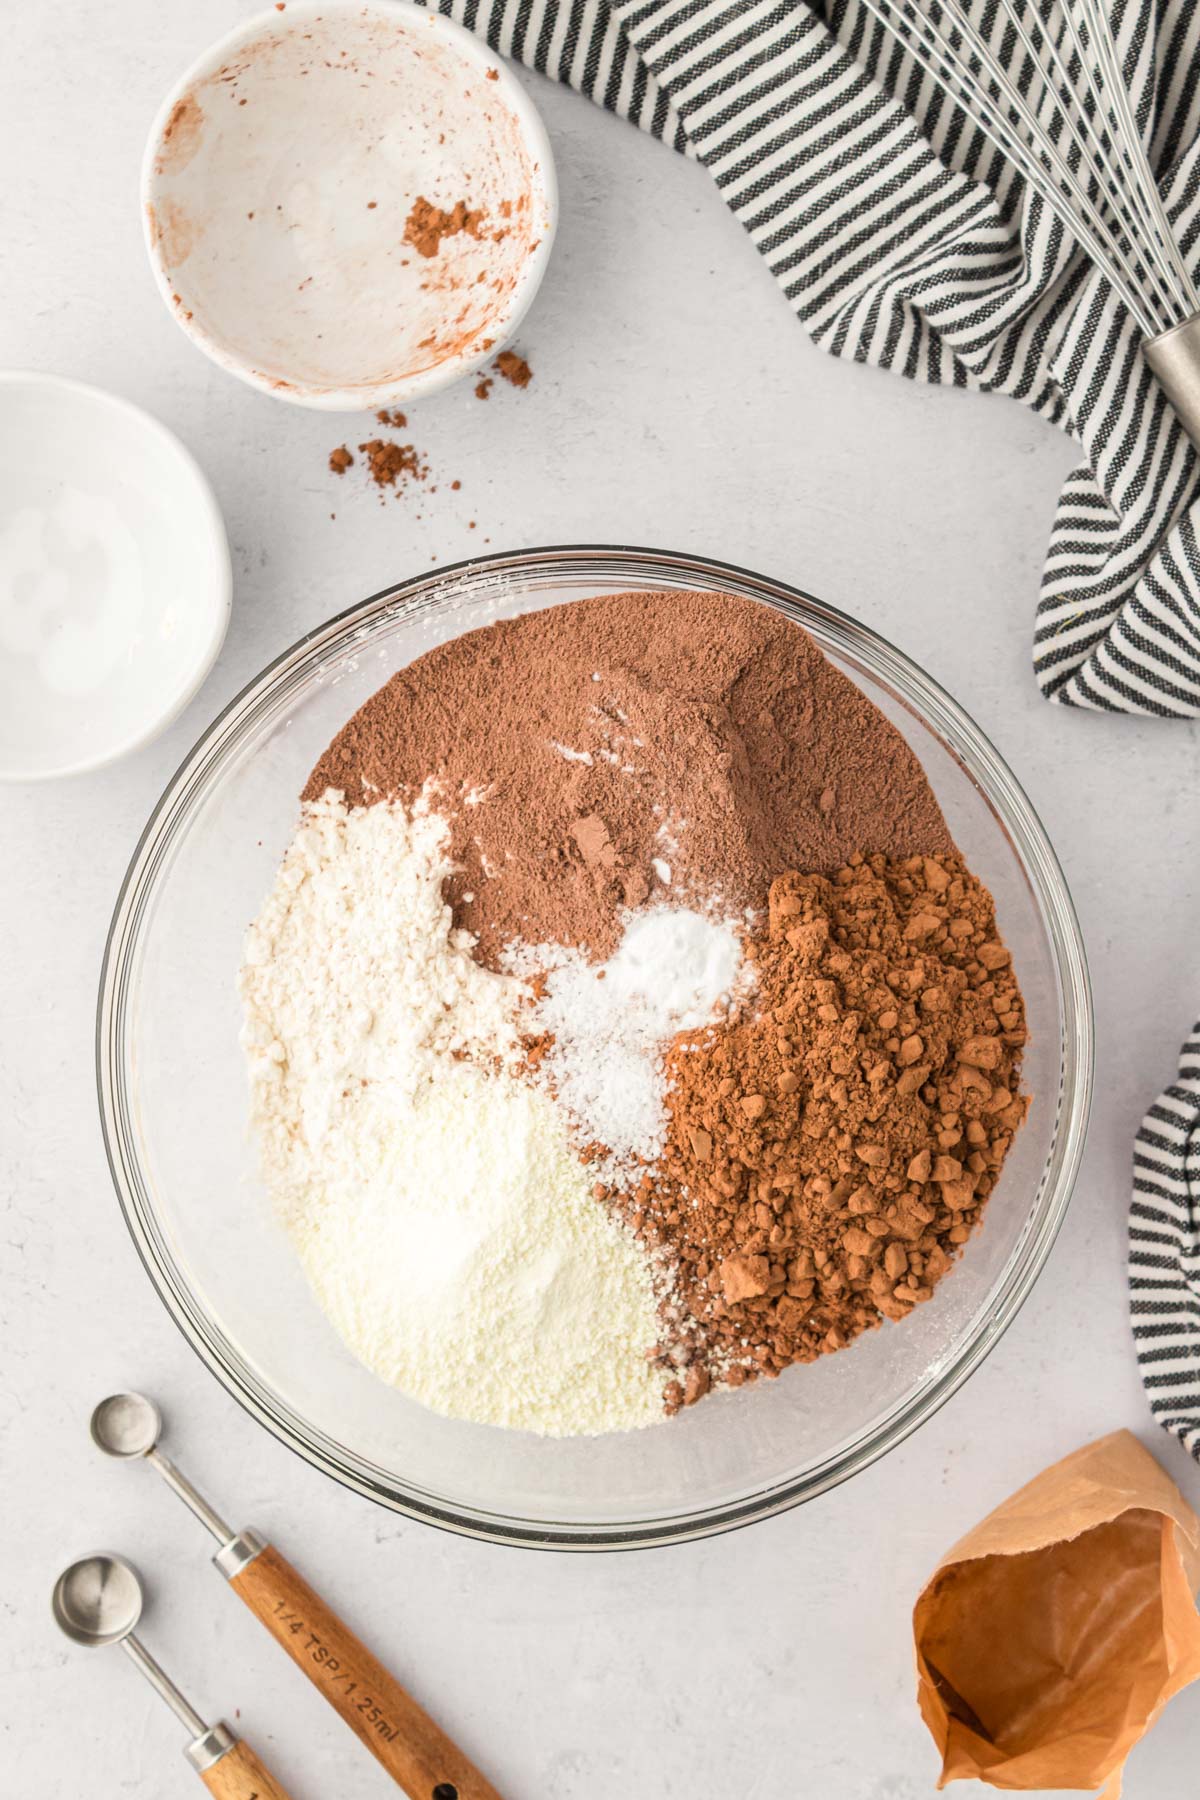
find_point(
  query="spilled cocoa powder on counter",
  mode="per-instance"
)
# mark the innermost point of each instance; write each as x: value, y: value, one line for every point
x: 830, y: 1152
x: 392, y: 465
x: 515, y: 370
x: 634, y: 747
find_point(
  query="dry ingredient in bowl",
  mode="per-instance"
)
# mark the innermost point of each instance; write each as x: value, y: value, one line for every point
x: 445, y: 1223
x: 427, y: 224
x: 623, y: 1022
x: 830, y: 1152
x: 629, y: 749
x: 597, y: 1034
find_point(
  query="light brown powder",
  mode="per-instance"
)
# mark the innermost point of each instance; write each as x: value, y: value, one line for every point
x: 427, y: 225
x: 705, y: 736
x: 514, y: 368
x: 392, y: 465
x: 831, y: 1151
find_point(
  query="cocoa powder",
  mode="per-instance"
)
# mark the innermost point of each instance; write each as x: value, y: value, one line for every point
x: 392, y: 465
x: 427, y: 225
x: 514, y: 369
x: 593, y: 756
x: 833, y: 1141
x: 830, y: 1152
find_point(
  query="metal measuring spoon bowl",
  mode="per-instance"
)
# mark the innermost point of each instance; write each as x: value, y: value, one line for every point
x: 416, y: 1753
x: 98, y: 1600
x: 126, y: 1425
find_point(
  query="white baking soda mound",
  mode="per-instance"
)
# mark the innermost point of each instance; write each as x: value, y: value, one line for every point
x: 674, y: 970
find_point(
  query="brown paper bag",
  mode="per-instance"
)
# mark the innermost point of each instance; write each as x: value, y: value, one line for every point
x: 1052, y: 1636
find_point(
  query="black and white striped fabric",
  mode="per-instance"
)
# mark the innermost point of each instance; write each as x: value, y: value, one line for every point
x: 900, y: 238
x: 1164, y: 1251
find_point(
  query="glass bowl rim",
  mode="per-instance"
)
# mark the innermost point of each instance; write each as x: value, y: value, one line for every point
x: 958, y: 734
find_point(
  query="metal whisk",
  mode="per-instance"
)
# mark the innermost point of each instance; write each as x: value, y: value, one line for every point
x: 1045, y: 86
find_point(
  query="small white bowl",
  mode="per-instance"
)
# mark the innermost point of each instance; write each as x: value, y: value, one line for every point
x: 278, y: 185
x: 114, y: 577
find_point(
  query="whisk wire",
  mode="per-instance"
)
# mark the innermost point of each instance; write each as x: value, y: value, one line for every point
x: 1022, y: 126
x: 1092, y: 130
x: 1130, y: 139
x: 977, y: 82
x: 1058, y: 110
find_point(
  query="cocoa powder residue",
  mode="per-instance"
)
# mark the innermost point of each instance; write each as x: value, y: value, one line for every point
x: 830, y: 1152
x: 514, y: 368
x: 392, y: 465
x: 427, y: 225
x: 182, y: 136
x: 597, y: 755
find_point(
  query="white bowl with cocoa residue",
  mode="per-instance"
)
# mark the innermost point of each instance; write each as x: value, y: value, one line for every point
x: 347, y: 205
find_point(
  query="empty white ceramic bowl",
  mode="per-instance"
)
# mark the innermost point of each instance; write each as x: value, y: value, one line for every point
x: 114, y: 577
x: 279, y: 181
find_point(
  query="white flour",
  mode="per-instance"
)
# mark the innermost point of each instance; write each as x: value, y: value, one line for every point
x: 445, y: 1224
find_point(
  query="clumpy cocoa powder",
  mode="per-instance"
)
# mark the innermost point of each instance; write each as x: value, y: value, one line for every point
x: 514, y: 369
x: 392, y: 465
x: 635, y: 747
x: 830, y: 1152
x: 427, y: 225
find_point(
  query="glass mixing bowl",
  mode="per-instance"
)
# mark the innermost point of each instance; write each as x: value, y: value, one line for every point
x: 173, y: 1098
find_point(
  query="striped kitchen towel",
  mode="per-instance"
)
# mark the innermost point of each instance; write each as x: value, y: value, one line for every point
x: 1164, y: 1251
x: 900, y: 238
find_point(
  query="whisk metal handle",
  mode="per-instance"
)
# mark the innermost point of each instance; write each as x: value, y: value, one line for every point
x: 1174, y: 357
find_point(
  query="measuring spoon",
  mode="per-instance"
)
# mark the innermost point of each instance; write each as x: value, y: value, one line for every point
x: 98, y: 1601
x: 415, y: 1752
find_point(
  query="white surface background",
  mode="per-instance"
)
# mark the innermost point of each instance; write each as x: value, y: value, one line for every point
x: 676, y: 402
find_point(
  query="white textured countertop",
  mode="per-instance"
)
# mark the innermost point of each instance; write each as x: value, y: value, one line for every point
x: 676, y: 402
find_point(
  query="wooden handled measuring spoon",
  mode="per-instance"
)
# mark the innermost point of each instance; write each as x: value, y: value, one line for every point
x: 415, y: 1752
x: 98, y: 1601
